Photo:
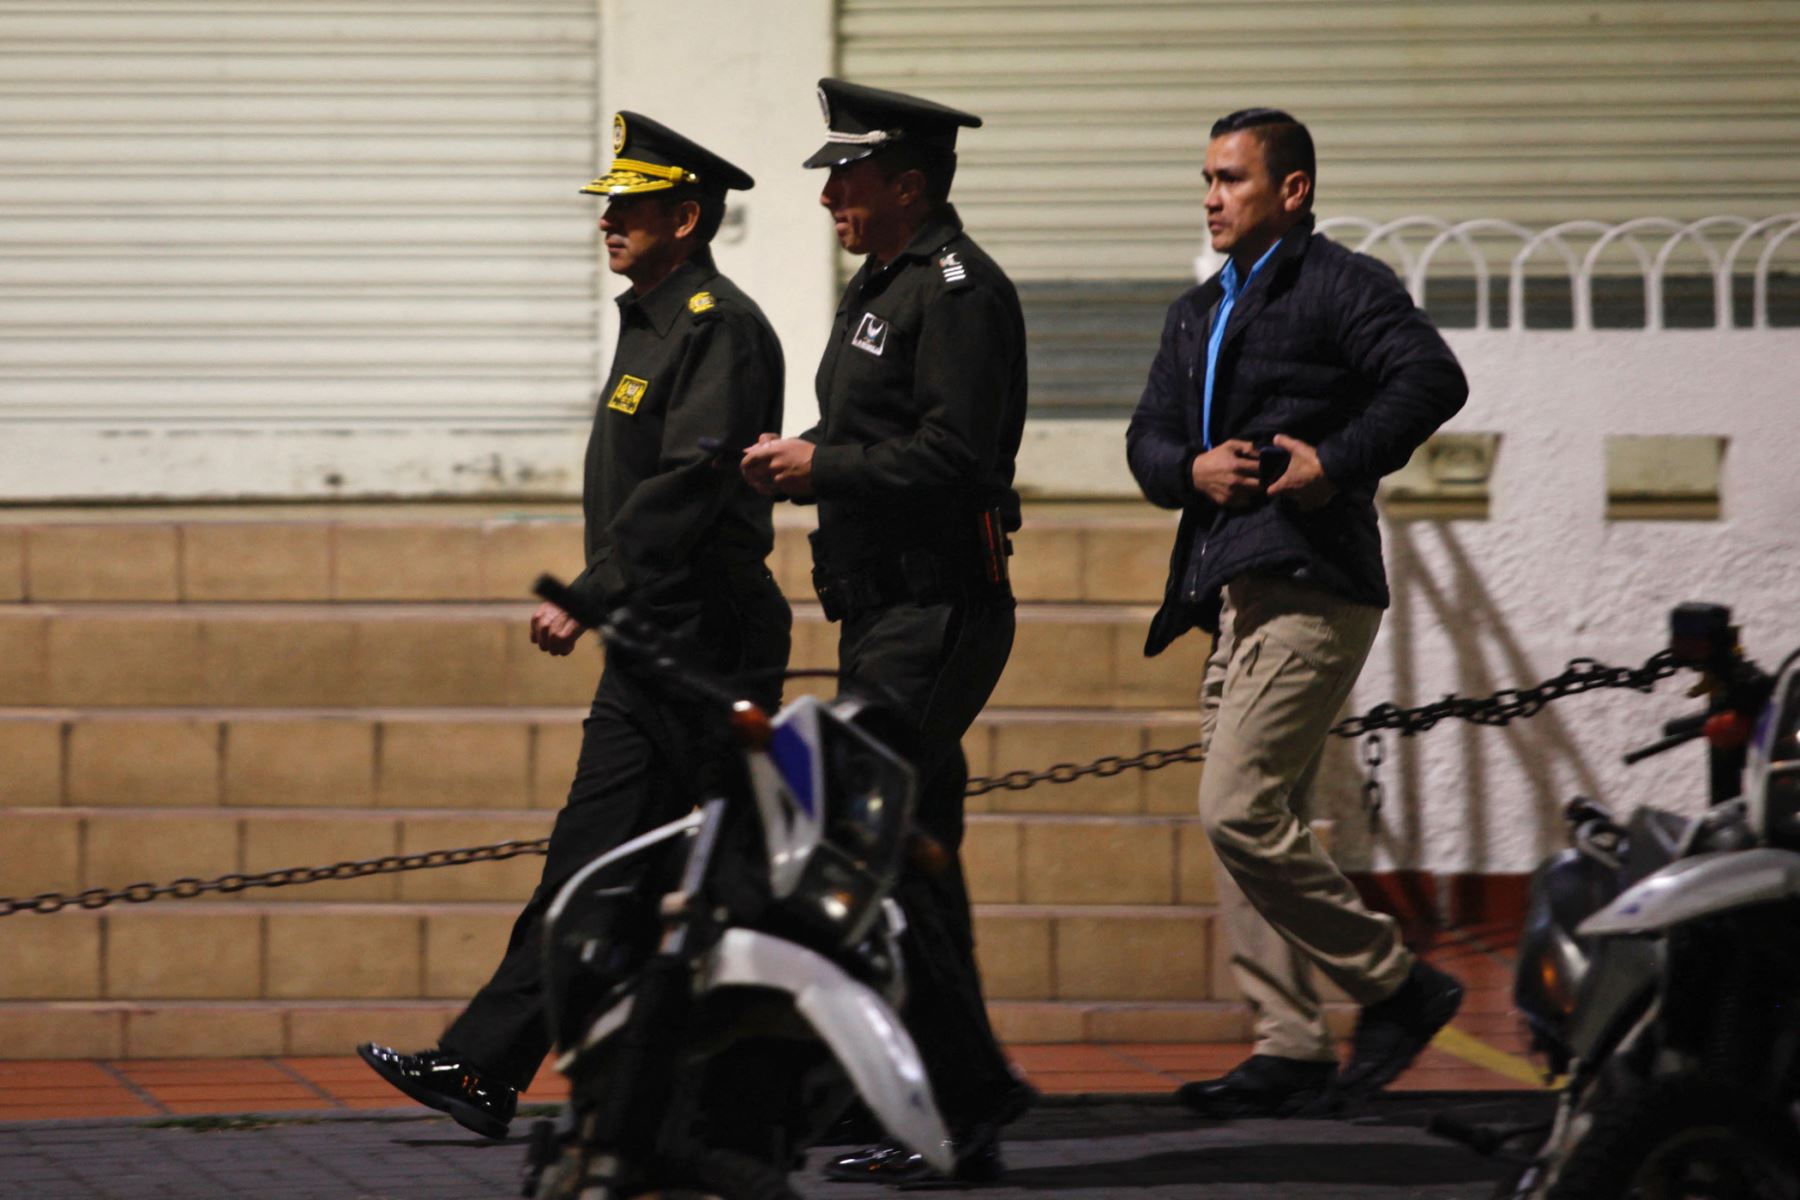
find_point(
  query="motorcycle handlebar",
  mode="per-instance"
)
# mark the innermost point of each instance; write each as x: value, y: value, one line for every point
x: 1678, y: 732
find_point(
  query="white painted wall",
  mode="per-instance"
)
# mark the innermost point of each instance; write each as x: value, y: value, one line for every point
x: 1480, y: 605
x: 740, y: 81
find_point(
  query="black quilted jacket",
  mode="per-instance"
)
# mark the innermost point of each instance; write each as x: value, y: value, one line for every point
x: 1325, y: 346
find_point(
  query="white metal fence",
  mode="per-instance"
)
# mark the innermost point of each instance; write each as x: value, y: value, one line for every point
x: 1723, y: 247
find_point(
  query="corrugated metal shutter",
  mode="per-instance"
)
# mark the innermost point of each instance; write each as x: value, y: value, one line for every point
x: 1535, y: 111
x: 297, y: 211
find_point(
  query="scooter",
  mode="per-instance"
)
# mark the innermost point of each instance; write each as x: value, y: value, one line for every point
x: 1659, y: 966
x: 723, y: 987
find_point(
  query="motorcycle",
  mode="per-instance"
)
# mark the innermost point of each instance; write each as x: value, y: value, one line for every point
x: 1659, y: 964
x: 722, y: 988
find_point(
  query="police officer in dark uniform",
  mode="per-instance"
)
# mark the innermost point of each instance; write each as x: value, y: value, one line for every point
x: 921, y: 407
x: 671, y: 530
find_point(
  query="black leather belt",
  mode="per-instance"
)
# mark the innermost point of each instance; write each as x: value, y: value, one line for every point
x: 911, y: 577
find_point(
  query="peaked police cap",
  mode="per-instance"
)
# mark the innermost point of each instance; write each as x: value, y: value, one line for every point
x: 861, y: 121
x: 648, y: 156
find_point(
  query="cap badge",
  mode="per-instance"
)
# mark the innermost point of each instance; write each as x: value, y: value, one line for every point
x: 618, y: 132
x: 700, y: 302
x: 824, y: 106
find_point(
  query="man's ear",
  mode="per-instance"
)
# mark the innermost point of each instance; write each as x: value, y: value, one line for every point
x: 1296, y: 190
x: 909, y: 186
x: 687, y: 217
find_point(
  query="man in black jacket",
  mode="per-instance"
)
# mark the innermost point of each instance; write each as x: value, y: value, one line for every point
x: 674, y: 533
x: 921, y: 410
x: 1284, y: 388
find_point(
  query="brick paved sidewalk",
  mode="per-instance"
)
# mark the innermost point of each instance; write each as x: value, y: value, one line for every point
x: 328, y: 1128
x: 1149, y: 1150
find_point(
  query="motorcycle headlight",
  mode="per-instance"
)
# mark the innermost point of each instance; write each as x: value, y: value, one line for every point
x: 866, y: 808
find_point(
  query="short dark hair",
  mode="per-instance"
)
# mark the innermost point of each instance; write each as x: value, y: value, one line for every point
x: 937, y: 166
x: 1287, y: 145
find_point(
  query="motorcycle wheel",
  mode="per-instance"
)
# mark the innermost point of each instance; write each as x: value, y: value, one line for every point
x: 702, y: 1173
x: 1683, y: 1139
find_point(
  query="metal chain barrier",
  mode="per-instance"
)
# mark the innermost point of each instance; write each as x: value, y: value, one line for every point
x: 1503, y: 707
x: 1511, y: 704
x: 1103, y: 768
x: 187, y: 889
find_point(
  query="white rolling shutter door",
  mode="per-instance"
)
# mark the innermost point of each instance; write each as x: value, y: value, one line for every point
x: 297, y: 214
x: 1535, y: 111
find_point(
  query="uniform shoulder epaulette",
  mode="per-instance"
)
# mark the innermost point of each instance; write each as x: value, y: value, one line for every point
x: 702, y: 302
x: 953, y: 269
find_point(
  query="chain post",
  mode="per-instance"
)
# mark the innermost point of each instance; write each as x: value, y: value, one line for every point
x: 1373, y: 755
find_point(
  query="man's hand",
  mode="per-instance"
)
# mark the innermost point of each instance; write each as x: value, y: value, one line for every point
x: 756, y: 468
x: 777, y: 465
x: 1226, y: 474
x: 554, y: 631
x: 1305, y: 479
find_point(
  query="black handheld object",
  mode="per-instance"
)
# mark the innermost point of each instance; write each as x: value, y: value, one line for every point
x: 1271, y: 464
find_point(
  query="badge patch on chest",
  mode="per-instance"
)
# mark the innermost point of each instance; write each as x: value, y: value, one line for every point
x: 871, y: 334
x: 628, y: 394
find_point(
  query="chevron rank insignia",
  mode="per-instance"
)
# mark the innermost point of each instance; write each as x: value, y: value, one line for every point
x: 700, y: 302
x: 628, y: 394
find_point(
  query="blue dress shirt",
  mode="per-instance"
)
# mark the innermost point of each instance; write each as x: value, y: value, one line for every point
x: 1228, y: 279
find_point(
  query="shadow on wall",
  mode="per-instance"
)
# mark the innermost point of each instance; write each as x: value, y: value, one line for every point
x: 1487, y: 654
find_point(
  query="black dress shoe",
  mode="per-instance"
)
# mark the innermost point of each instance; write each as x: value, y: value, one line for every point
x: 434, y: 1078
x: 1391, y: 1032
x: 902, y: 1167
x: 977, y: 1152
x: 1263, y: 1085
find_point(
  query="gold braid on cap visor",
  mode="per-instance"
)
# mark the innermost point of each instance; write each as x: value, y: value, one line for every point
x: 628, y: 175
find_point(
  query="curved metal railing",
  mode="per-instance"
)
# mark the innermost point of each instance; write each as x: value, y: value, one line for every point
x: 1653, y: 242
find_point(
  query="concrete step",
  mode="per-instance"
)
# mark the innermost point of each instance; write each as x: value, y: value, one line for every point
x: 1009, y: 859
x: 268, y: 950
x: 477, y: 655
x: 487, y: 758
x: 447, y: 552
x: 162, y: 1029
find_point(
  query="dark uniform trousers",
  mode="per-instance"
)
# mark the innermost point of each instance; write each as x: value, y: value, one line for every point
x: 940, y: 662
x: 633, y: 774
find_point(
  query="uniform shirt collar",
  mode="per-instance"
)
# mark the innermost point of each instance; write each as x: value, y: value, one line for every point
x: 938, y: 229
x: 663, y: 303
x: 927, y: 239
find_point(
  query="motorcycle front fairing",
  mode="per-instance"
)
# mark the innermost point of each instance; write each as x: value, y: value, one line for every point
x: 1697, y: 887
x: 853, y: 1020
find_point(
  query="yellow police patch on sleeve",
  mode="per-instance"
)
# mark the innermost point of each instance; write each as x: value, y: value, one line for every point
x: 699, y: 302
x: 628, y: 394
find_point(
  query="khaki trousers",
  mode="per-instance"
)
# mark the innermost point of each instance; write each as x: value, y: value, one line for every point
x: 1282, y: 666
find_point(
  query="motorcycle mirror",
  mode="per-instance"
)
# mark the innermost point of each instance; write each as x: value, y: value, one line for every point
x: 1701, y: 635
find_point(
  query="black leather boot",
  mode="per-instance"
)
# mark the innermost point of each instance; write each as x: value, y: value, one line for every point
x: 436, y: 1079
